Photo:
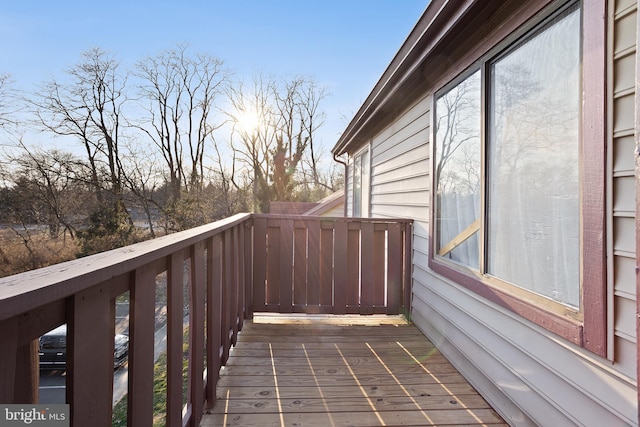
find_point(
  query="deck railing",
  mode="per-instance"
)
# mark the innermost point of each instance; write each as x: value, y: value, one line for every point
x: 222, y: 272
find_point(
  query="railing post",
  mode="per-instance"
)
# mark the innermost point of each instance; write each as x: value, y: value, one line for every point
x: 90, y: 357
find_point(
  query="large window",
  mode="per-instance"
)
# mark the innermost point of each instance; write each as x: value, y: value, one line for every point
x: 507, y: 167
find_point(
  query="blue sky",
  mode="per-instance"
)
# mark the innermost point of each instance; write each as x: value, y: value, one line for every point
x: 345, y: 45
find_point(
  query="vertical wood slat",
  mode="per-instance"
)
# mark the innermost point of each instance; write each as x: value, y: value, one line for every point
x: 141, y: 342
x: 273, y: 265
x: 196, y: 332
x: 367, y: 272
x: 300, y: 264
x: 341, y: 281
x: 214, y: 316
x: 286, y: 266
x: 226, y: 296
x: 326, y: 265
x: 240, y: 274
x: 26, y: 389
x: 353, y: 265
x: 248, y: 270
x: 408, y: 263
x: 235, y: 289
x: 8, y: 358
x: 378, y: 266
x: 313, y: 275
x: 175, y: 304
x: 395, y: 269
x: 90, y: 357
x: 259, y: 263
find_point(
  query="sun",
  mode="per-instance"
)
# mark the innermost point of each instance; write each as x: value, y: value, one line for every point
x: 248, y: 121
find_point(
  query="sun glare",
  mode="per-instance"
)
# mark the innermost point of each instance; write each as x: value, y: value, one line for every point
x: 248, y: 121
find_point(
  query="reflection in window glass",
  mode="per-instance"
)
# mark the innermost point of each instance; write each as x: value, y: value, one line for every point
x: 533, y: 206
x: 357, y: 187
x: 361, y: 185
x: 457, y: 156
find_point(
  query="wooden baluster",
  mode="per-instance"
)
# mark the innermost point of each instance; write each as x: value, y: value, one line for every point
x: 175, y: 331
x: 326, y: 266
x: 214, y: 316
x: 141, y: 343
x: 259, y: 263
x: 366, y: 267
x: 196, y: 332
x: 90, y: 345
x: 8, y: 357
x: 395, y: 269
x: 340, y: 277
x: 286, y: 266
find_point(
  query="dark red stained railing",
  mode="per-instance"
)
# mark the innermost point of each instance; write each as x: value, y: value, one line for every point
x: 233, y: 267
x: 331, y: 265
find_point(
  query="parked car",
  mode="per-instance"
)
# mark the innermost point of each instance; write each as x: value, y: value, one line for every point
x: 53, y: 349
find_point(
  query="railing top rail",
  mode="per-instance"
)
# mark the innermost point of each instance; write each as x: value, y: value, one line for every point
x: 336, y: 218
x: 25, y: 291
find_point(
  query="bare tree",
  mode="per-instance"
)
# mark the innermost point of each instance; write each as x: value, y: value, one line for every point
x: 285, y: 118
x: 53, y: 187
x: 88, y: 106
x: 179, y: 94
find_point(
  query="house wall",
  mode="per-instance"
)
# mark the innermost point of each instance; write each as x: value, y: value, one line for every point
x: 621, y: 242
x: 531, y: 376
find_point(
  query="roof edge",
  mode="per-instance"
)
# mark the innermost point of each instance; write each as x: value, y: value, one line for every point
x: 435, y: 23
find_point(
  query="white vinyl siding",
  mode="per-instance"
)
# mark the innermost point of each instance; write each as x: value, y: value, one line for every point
x: 530, y: 375
x: 621, y: 188
x: 400, y: 166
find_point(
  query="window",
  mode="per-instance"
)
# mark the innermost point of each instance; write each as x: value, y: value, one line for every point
x: 361, y: 184
x: 507, y: 171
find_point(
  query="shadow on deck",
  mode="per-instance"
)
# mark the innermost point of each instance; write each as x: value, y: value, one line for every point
x: 341, y: 371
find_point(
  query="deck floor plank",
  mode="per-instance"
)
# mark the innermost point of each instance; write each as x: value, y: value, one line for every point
x: 342, y: 375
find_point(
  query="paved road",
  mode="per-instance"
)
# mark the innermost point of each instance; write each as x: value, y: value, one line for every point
x: 53, y: 382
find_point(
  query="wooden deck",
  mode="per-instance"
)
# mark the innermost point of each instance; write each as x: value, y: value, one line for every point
x: 319, y: 374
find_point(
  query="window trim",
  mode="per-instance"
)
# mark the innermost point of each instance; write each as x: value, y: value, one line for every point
x: 588, y: 328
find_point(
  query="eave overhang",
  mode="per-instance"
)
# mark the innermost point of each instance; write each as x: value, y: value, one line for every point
x: 421, y: 57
